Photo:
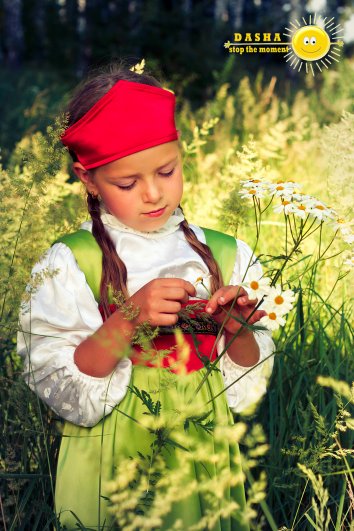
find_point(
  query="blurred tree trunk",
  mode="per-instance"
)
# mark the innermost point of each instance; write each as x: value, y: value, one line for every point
x: 187, y: 7
x: 236, y: 13
x: 220, y: 11
x: 83, y: 38
x: 13, y: 32
x: 135, y: 8
x: 295, y: 13
x: 39, y: 28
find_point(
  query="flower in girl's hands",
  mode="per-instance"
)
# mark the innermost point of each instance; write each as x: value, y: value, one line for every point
x: 201, y: 280
x: 256, y: 287
x: 272, y: 320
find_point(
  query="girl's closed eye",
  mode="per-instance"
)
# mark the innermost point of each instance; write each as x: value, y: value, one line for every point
x: 127, y: 187
x: 130, y: 186
x: 168, y: 173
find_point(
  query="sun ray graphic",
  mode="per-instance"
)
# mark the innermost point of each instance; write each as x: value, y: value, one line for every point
x: 315, y: 43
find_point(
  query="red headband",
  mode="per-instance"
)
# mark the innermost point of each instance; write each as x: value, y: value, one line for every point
x: 130, y: 117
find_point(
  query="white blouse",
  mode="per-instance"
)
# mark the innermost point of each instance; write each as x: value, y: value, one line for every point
x: 62, y: 312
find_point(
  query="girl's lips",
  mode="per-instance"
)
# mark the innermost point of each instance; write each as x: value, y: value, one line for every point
x: 155, y: 213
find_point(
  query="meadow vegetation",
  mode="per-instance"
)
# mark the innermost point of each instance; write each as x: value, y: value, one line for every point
x: 298, y: 445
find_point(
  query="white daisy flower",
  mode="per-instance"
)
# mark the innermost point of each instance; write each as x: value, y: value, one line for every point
x: 253, y: 183
x: 283, y: 189
x: 286, y: 206
x: 256, y: 287
x: 350, y: 260
x: 320, y: 211
x: 279, y: 301
x: 341, y: 225
x: 306, y: 199
x: 300, y: 210
x: 272, y: 321
x: 348, y: 238
x: 249, y: 193
x: 201, y: 280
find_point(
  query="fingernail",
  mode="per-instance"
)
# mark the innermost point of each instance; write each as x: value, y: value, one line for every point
x: 221, y: 299
x: 209, y: 310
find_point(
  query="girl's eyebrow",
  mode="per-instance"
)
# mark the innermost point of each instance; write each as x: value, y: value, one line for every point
x: 139, y: 174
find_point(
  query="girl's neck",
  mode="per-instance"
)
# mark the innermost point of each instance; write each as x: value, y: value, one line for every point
x: 171, y: 225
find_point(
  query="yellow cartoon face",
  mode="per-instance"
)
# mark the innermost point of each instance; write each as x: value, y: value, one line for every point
x: 311, y: 43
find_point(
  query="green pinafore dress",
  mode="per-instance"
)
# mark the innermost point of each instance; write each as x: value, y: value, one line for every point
x: 166, y: 456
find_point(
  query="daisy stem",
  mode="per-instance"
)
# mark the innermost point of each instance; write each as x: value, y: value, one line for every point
x: 270, y: 202
x: 255, y: 213
x: 306, y: 234
x: 286, y: 234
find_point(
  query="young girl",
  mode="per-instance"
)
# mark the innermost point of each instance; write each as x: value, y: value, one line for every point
x: 80, y: 351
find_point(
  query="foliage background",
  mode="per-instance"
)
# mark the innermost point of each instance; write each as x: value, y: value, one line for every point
x: 296, y: 127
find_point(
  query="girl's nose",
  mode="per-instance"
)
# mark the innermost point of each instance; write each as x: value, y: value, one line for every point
x: 151, y: 192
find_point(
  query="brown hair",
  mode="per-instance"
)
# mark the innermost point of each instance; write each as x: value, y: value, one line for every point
x: 114, y: 272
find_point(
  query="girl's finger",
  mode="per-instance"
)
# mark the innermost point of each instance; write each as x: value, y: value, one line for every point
x: 243, y: 300
x: 223, y: 296
x: 217, y: 298
x: 257, y: 316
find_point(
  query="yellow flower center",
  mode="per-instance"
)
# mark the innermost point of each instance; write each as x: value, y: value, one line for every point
x: 279, y: 182
x: 278, y: 299
x: 254, y: 284
x: 256, y: 181
x: 252, y: 191
x: 320, y: 207
x: 199, y: 279
x: 280, y: 187
x: 301, y: 207
x: 285, y: 203
x: 272, y: 316
x: 339, y: 220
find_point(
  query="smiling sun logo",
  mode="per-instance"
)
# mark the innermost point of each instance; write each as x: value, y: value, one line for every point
x: 314, y: 44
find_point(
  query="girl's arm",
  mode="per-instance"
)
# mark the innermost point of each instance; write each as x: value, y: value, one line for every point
x: 59, y: 313
x: 248, y: 362
x: 99, y: 354
x: 158, y: 302
x: 244, y: 350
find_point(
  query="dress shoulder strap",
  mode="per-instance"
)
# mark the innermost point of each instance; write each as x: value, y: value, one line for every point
x: 224, y: 249
x: 88, y: 254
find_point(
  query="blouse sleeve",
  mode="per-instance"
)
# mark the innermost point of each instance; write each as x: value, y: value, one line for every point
x: 56, y: 317
x: 245, y: 386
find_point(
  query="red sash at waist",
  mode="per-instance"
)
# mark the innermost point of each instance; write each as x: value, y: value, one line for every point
x: 197, y: 349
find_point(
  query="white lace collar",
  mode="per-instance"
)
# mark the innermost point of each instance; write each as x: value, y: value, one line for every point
x: 171, y: 225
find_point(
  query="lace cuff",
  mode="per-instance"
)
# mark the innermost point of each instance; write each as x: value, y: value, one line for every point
x: 77, y: 397
x: 245, y: 386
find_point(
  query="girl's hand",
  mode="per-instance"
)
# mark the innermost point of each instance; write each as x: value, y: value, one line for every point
x: 243, y: 306
x: 160, y: 300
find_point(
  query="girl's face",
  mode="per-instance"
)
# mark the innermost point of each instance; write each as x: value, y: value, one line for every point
x: 141, y: 190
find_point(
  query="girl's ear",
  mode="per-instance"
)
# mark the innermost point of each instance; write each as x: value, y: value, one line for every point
x: 85, y: 177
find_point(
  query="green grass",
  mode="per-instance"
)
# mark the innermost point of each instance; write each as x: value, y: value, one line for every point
x: 304, y: 422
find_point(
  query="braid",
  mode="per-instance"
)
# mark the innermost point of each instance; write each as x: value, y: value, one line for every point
x: 205, y: 253
x: 114, y: 271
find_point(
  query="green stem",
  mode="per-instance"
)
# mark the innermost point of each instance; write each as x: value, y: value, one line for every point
x: 15, y: 249
x: 263, y: 504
